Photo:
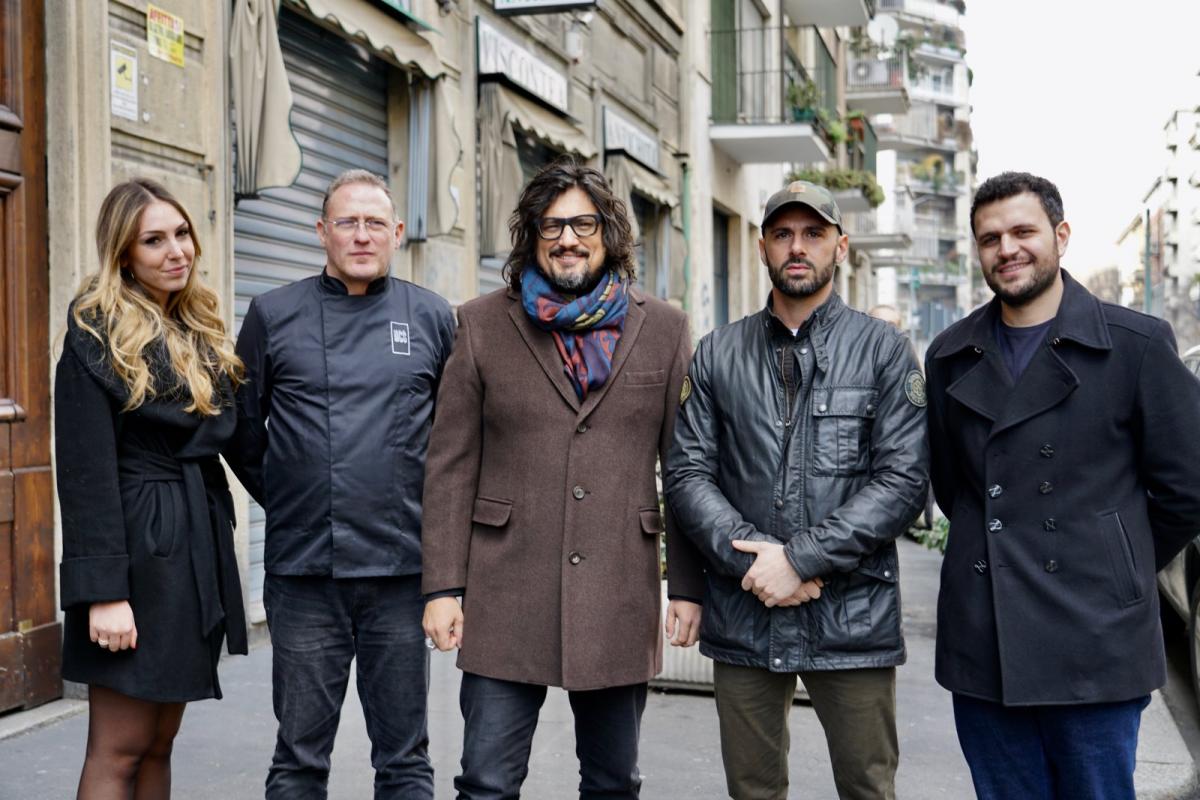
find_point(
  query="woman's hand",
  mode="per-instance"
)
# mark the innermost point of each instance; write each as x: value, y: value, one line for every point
x: 111, y: 625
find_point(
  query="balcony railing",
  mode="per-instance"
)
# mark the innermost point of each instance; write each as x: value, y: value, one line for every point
x: 876, y: 74
x: 747, y: 89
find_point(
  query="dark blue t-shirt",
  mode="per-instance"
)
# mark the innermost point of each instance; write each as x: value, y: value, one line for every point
x: 1017, y: 345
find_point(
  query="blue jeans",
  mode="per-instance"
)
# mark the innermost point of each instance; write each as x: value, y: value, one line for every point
x: 318, y: 624
x: 1084, y: 751
x: 499, y: 720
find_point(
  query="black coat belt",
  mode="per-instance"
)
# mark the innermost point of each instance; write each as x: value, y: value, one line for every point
x: 210, y: 509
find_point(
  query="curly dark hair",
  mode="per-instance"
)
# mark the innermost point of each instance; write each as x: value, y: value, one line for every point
x: 550, y: 181
x: 1011, y: 184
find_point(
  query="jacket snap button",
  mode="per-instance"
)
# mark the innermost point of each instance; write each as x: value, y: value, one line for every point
x: 1047, y: 451
x: 578, y: 492
x: 779, y: 504
x: 582, y: 428
x: 980, y: 566
x: 995, y: 491
x: 1050, y: 524
x: 870, y: 408
x: 887, y: 573
x: 1046, y: 487
x: 574, y: 558
x: 822, y: 408
x: 803, y: 351
x: 1052, y: 566
x: 777, y: 662
x: 995, y: 525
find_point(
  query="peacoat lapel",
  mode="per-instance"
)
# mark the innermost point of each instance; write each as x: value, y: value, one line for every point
x: 541, y: 344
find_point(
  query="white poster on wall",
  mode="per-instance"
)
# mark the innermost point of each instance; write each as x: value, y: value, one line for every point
x: 123, y: 81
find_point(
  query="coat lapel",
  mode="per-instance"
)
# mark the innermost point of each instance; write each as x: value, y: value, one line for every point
x: 634, y: 318
x: 541, y: 344
x: 984, y: 388
x: 1046, y: 382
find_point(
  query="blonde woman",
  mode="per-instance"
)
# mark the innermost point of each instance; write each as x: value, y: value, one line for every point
x: 143, y: 404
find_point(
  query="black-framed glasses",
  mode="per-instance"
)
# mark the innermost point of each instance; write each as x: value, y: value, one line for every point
x: 551, y: 228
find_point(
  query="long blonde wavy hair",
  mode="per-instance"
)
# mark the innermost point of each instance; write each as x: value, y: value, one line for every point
x: 131, y: 321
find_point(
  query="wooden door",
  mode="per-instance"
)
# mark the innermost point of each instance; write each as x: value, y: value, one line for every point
x: 29, y: 632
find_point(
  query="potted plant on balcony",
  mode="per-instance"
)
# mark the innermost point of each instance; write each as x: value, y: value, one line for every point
x: 802, y: 97
x: 856, y: 120
x: 855, y: 185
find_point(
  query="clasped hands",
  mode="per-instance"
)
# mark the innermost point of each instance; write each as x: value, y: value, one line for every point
x: 773, y: 579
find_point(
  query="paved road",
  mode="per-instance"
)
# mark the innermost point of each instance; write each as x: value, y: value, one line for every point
x: 224, y: 747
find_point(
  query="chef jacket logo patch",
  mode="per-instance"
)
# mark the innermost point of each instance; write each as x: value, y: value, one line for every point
x: 400, y: 342
x: 914, y: 388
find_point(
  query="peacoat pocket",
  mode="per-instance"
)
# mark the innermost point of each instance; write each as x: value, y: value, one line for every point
x: 1120, y: 559
x: 842, y: 417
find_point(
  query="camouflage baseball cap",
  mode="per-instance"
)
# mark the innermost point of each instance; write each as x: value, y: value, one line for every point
x: 805, y: 193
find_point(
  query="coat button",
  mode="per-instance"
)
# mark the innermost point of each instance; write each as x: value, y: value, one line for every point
x: 1046, y: 487
x: 581, y: 428
x: 995, y: 491
x: 1057, y: 341
x: 995, y: 525
x: 822, y: 408
x: 1047, y: 451
x: 578, y: 492
x: 779, y: 503
x: 1052, y: 566
x: 980, y: 566
x: 1050, y: 524
x: 574, y: 558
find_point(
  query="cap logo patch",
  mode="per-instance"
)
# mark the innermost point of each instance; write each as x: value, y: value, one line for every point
x: 797, y: 186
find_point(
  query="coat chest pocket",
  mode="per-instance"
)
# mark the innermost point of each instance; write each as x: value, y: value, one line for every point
x: 841, y: 438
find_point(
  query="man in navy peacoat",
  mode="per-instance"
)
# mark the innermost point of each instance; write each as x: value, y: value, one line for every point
x: 1065, y: 444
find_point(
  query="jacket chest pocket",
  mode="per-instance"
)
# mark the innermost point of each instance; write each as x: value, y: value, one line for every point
x: 841, y: 437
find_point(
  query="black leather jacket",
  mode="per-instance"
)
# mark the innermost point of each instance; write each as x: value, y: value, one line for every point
x: 836, y: 478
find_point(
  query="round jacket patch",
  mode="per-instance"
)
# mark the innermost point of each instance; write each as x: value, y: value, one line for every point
x: 685, y: 391
x: 914, y: 389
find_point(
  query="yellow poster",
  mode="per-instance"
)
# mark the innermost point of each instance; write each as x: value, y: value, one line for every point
x: 164, y: 35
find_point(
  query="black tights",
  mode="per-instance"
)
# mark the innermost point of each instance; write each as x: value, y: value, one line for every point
x: 128, y: 747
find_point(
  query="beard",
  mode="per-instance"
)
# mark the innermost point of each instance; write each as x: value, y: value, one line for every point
x: 801, y: 287
x: 1021, y: 294
x: 578, y: 281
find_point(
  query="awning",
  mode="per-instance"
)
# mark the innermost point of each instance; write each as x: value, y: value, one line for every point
x: 267, y: 152
x: 650, y: 184
x: 626, y: 176
x: 544, y: 124
x: 446, y: 152
x: 378, y: 30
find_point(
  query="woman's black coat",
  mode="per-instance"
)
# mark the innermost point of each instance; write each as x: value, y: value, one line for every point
x: 146, y: 517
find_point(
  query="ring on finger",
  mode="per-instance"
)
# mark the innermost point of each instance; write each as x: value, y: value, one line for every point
x: 102, y: 642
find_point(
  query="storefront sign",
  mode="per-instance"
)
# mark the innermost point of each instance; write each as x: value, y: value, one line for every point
x: 499, y: 55
x: 621, y: 134
x: 123, y: 81
x: 164, y: 35
x: 513, y: 7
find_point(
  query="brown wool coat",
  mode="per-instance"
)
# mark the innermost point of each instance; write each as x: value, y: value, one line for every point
x: 545, y: 509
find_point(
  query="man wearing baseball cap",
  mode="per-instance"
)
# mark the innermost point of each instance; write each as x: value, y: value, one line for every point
x: 799, y: 456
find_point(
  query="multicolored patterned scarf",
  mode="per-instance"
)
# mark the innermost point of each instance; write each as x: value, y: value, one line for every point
x: 585, y: 328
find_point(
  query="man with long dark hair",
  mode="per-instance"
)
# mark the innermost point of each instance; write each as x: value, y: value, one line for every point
x: 559, y: 395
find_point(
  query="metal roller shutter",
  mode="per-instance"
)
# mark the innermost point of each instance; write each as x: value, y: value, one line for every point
x: 339, y: 116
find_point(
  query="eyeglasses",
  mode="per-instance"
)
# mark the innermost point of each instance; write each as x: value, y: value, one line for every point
x: 347, y: 226
x: 551, y: 228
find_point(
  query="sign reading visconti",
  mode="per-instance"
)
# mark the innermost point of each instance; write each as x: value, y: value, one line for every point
x: 499, y: 55
x: 621, y: 134
x: 514, y: 7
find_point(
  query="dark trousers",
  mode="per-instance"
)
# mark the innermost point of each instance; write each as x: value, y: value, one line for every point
x: 856, y: 708
x: 318, y: 624
x: 499, y: 720
x: 1084, y: 751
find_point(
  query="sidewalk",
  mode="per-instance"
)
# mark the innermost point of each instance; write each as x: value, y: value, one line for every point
x: 224, y: 747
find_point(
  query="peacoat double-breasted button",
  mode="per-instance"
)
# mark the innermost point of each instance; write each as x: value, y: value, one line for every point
x: 578, y: 492
x: 980, y: 566
x: 1050, y: 525
x: 1047, y: 450
x: 581, y: 428
x: 995, y: 491
x: 995, y: 525
x: 1046, y: 487
x: 1052, y: 566
x: 574, y: 558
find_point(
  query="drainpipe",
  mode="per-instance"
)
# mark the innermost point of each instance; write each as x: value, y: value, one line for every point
x: 686, y: 212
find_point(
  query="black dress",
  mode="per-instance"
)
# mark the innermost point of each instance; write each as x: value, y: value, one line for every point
x: 146, y: 517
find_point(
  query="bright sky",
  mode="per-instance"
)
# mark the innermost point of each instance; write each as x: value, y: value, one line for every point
x: 1078, y: 92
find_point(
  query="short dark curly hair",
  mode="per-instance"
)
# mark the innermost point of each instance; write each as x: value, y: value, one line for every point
x: 1011, y: 184
x: 550, y: 181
